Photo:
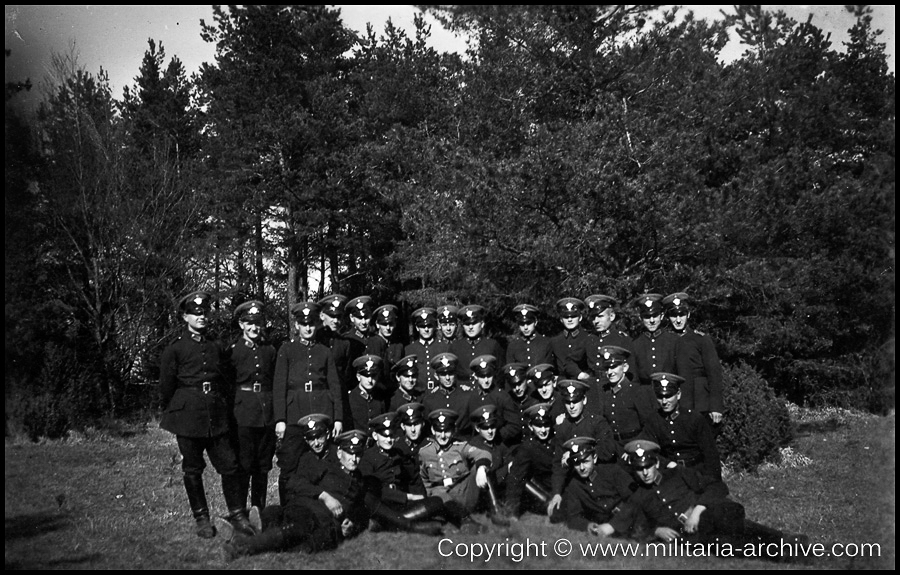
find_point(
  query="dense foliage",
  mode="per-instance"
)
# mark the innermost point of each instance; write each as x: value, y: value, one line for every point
x: 572, y: 150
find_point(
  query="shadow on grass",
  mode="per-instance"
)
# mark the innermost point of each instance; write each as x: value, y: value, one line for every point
x: 72, y: 562
x: 33, y: 525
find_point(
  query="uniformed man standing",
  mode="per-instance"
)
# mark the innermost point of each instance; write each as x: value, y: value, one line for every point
x: 528, y: 346
x: 696, y: 361
x: 601, y: 312
x: 449, y: 394
x: 383, y: 343
x: 473, y: 343
x: 359, y: 310
x: 195, y: 394
x: 654, y: 349
x: 448, y: 323
x: 366, y: 400
x: 426, y: 345
x: 570, y: 346
x: 408, y: 389
x: 576, y: 422
x: 515, y: 378
x: 685, y: 437
x: 306, y: 381
x: 625, y: 405
x: 331, y: 336
x: 484, y: 372
x: 252, y: 362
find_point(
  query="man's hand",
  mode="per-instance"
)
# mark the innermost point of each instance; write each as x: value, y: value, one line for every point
x: 338, y: 427
x: 666, y: 533
x: 554, y: 504
x: 715, y: 416
x: 693, y: 518
x: 347, y: 527
x: 600, y: 529
x: 414, y: 497
x: 481, y: 478
x: 279, y: 429
x: 331, y: 503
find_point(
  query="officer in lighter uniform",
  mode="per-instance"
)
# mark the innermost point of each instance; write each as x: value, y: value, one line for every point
x: 194, y: 393
x: 252, y: 361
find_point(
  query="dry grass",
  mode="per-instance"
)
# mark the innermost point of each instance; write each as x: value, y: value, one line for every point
x: 103, y: 500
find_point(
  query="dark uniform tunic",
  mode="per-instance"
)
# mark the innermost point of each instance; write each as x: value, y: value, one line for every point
x: 501, y: 458
x: 588, y: 425
x: 654, y: 353
x: 402, y: 397
x: 522, y: 403
x: 667, y: 502
x: 684, y: 436
x: 193, y: 387
x: 530, y: 351
x: 510, y: 431
x: 626, y: 410
x: 569, y: 349
x: 410, y: 451
x: 599, y: 498
x: 425, y: 352
x: 363, y: 407
x: 306, y: 381
x: 533, y: 461
x: 391, y: 477
x: 458, y: 399
x: 614, y: 337
x: 194, y: 392
x: 698, y: 363
x: 253, y: 368
x: 466, y: 349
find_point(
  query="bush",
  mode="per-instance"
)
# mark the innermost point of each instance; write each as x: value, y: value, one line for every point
x: 757, y: 423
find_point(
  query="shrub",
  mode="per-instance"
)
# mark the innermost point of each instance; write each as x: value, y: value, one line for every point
x: 757, y: 423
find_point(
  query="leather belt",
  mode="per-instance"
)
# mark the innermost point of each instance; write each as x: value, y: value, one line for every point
x: 205, y: 387
x: 255, y: 388
x: 309, y: 387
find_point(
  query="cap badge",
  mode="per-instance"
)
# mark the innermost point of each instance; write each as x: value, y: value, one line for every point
x: 512, y: 371
x: 442, y: 418
x: 524, y: 312
x: 387, y: 422
x: 470, y: 313
x: 606, y: 354
x: 486, y: 415
x: 542, y: 412
x: 570, y: 306
x: 483, y: 364
x: 198, y: 300
x: 639, y: 451
x: 676, y: 301
x: 424, y: 315
x: 354, y: 440
x: 386, y: 313
x: 575, y: 448
x: 369, y: 364
x: 649, y: 302
x: 311, y: 424
x: 360, y: 304
x: 254, y: 310
x: 445, y: 361
x: 664, y: 382
x: 571, y: 389
x: 537, y: 374
x: 410, y: 411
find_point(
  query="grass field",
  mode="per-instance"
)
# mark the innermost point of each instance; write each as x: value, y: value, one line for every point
x: 107, y: 500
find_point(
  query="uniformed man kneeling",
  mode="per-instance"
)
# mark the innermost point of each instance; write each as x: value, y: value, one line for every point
x: 325, y: 502
x: 456, y: 471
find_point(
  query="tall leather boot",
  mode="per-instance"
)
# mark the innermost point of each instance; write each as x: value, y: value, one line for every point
x: 394, y: 520
x: 259, y: 487
x: 233, y: 488
x: 497, y: 513
x: 425, y: 509
x: 193, y: 484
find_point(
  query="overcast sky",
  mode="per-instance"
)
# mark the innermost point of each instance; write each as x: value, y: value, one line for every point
x: 115, y: 37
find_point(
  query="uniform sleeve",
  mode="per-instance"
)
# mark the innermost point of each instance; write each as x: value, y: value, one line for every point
x: 606, y: 443
x: 280, y: 384
x: 714, y: 375
x: 334, y: 387
x: 478, y: 456
x: 168, y: 375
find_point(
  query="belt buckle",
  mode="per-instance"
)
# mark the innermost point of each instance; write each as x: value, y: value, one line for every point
x: 257, y: 387
x: 207, y: 386
x: 307, y: 387
x: 448, y: 482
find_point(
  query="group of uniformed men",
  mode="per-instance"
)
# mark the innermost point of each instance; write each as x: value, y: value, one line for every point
x: 606, y: 433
